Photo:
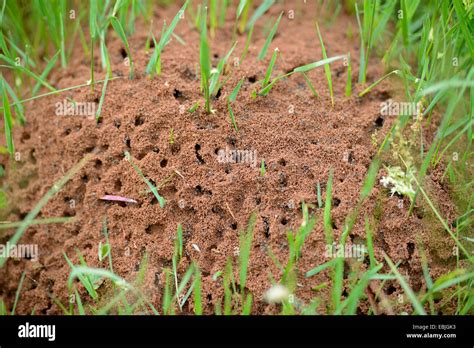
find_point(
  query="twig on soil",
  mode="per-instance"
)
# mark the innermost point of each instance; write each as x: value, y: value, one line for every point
x: 230, y: 211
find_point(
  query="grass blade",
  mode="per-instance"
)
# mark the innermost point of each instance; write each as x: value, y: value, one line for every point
x: 7, y: 116
x: 42, y: 202
x: 121, y: 33
x: 152, y: 188
x: 270, y: 36
x: 327, y: 69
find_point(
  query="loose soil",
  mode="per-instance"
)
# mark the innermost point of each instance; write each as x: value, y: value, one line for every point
x: 299, y: 137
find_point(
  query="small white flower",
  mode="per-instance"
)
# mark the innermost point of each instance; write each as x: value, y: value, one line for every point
x: 276, y: 294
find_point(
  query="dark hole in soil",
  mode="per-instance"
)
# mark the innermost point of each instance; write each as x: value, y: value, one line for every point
x: 420, y: 215
x: 67, y: 131
x: 266, y: 227
x: 118, y: 185
x: 351, y: 236
x: 367, y: 260
x: 216, y: 55
x: 209, y: 297
x: 258, y: 200
x: 139, y: 120
x: 156, y: 149
x: 117, y: 123
x: 199, y: 190
x: 141, y: 155
x: 233, y: 225
x: 282, y: 162
x: 127, y: 142
x: 163, y: 163
x: 391, y: 289
x: 347, y: 269
x: 49, y: 283
x: 410, y: 248
x: 156, y: 282
x: 69, y: 213
x: 379, y: 122
x: 334, y: 226
x: 340, y: 70
x: 336, y: 202
x: 227, y: 170
x: 84, y: 178
x: 383, y: 95
x: 175, y: 148
x: 97, y: 164
x: 197, y: 147
x: 283, y: 181
x: 96, y: 100
x: 154, y: 229
x: 177, y: 94
x: 231, y: 141
x: 122, y: 204
x: 351, y: 158
x: 252, y: 79
x: 123, y: 53
x: 284, y: 221
x: 32, y: 156
x: 199, y: 158
x: 218, y: 94
x: 25, y: 136
x: 217, y: 210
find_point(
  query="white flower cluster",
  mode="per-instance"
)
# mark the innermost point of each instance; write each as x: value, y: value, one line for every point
x: 399, y: 181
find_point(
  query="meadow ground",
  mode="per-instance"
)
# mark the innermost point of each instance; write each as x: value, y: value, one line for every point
x: 207, y: 168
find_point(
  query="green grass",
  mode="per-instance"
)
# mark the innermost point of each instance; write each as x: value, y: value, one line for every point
x: 214, y: 85
x: 152, y: 187
x: 264, y: 7
x: 247, y: 44
x: 327, y: 69
x: 205, y: 62
x: 268, y: 41
x: 121, y: 34
x: 302, y: 69
x: 8, y: 120
x: 348, y: 91
x: 268, y: 74
x: 242, y: 14
x: 154, y: 65
x: 429, y: 46
x: 42, y: 202
x: 231, y: 115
